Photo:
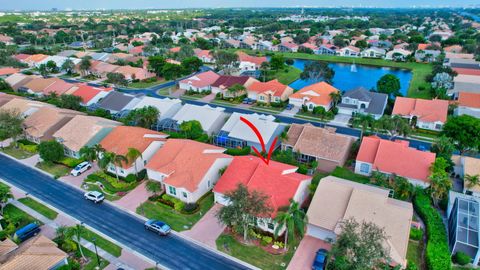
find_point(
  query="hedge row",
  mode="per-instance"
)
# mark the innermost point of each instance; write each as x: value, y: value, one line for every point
x: 437, y: 255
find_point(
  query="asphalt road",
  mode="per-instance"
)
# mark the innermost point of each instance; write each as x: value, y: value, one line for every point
x: 172, y: 251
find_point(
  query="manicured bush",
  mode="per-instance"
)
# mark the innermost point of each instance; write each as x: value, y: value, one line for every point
x: 142, y: 175
x: 131, y: 178
x: 177, y: 204
x: 411, y: 266
x: 51, y: 151
x: 238, y: 151
x: 266, y: 240
x: 70, y: 162
x: 437, y: 255
x: 26, y: 142
x: 461, y: 258
x: 416, y: 234
x: 28, y: 147
x: 190, y: 208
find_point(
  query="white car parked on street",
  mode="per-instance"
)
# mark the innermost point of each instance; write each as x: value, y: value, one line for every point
x: 94, y: 196
x: 81, y: 168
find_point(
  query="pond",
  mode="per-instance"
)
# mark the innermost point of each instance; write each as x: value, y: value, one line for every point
x: 347, y: 77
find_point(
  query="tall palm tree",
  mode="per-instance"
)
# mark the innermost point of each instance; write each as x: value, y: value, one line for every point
x: 98, y: 149
x: 336, y: 96
x: 132, y: 155
x: 472, y: 180
x: 293, y: 220
x: 118, y: 161
x: 88, y: 153
x: 106, y: 159
x: 440, y: 184
x: 365, y: 121
x: 75, y: 233
x: 5, y: 195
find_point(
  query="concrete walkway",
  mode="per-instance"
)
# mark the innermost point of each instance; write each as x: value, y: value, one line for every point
x: 50, y: 226
x: 207, y: 229
x: 134, y: 198
x: 209, y: 97
x: 31, y: 161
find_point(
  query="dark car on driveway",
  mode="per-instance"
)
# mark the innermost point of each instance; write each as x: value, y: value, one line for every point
x: 320, y: 260
x: 157, y: 226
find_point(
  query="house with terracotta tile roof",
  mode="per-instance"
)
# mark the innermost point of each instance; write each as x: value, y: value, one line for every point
x: 200, y: 82
x: 453, y: 49
x: 269, y: 92
x: 278, y: 181
x: 25, y: 107
x: 337, y: 200
x: 398, y: 54
x: 90, y: 94
x: 204, y: 55
x: 465, y: 83
x: 6, y: 39
x: 37, y: 86
x: 249, y: 62
x: 33, y: 60
x: 394, y: 157
x: 122, y: 138
x: 323, y: 145
x: 4, y: 98
x: 7, y: 71
x: 101, y: 69
x: 134, y: 73
x: 39, y: 253
x: 314, y: 95
x: 235, y: 133
x: 17, y: 80
x: 468, y: 103
x: 287, y: 47
x: 426, y: 114
x: 187, y: 169
x: 467, y: 166
x: 42, y: 124
x: 224, y: 82
x: 83, y: 131
x: 211, y: 118
x: 60, y: 87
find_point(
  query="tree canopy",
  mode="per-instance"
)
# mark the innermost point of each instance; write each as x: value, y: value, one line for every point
x: 389, y: 84
x: 464, y: 132
x: 317, y: 71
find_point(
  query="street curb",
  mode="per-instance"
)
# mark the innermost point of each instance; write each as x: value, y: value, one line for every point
x: 178, y: 234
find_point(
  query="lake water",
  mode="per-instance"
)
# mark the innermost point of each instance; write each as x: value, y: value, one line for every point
x: 366, y: 76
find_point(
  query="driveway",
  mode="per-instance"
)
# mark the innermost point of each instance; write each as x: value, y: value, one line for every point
x: 172, y: 252
x: 208, y: 98
x: 178, y: 93
x: 208, y: 228
x: 291, y: 112
x: 305, y: 254
x: 78, y: 180
x: 134, y: 198
x: 341, y: 119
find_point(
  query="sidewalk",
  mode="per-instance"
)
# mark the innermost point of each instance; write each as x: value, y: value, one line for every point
x: 49, y: 229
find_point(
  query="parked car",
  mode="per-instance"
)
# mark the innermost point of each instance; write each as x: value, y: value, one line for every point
x: 94, y: 196
x: 247, y: 101
x: 157, y: 226
x: 26, y: 232
x: 81, y: 168
x: 289, y: 107
x: 320, y: 260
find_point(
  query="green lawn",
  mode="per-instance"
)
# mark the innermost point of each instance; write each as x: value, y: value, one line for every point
x: 345, y: 173
x: 166, y: 91
x: 177, y: 221
x: 272, y: 110
x: 192, y: 97
x: 102, y: 242
x: 54, y: 169
x: 419, y: 70
x: 414, y: 253
x: 17, y: 153
x: 12, y: 212
x: 40, y: 208
x: 145, y: 84
x: 253, y: 254
x: 93, y: 260
x: 288, y: 76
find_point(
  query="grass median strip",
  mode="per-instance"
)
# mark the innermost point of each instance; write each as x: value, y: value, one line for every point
x: 40, y: 208
x: 102, y: 242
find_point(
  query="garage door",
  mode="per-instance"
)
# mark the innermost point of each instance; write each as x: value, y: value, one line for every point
x: 320, y: 233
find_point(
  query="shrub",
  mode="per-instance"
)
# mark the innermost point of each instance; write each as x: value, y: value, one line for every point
x: 131, y: 178
x: 70, y: 162
x: 142, y: 175
x: 411, y: 266
x: 26, y: 142
x: 279, y: 244
x: 461, y: 258
x: 266, y: 240
x: 51, y: 151
x: 175, y: 203
x: 416, y: 234
x: 238, y: 151
x: 190, y: 208
x: 28, y: 147
x: 437, y: 254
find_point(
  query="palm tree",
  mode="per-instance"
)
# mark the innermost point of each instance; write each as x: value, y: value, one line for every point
x: 472, y: 180
x: 5, y: 195
x: 106, y: 159
x: 294, y: 221
x: 365, y: 121
x: 132, y: 155
x: 440, y: 184
x: 336, y: 96
x: 75, y: 234
x: 118, y: 161
x: 88, y: 153
x: 98, y: 149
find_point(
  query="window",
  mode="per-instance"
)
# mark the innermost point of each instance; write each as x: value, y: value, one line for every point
x: 209, y: 184
x: 172, y: 190
x: 261, y: 97
x: 310, y: 106
x: 277, y: 99
x: 185, y: 195
x: 364, y: 168
x: 270, y: 226
x: 438, y: 126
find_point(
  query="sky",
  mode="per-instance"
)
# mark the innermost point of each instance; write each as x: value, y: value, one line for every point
x: 159, y: 4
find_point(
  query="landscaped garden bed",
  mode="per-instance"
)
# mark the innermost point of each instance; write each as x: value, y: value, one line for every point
x: 14, y: 219
x: 112, y: 187
x: 22, y: 149
x: 178, y: 215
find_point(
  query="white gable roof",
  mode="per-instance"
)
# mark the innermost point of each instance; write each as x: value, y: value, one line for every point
x: 206, y: 115
x: 238, y: 129
x: 166, y: 106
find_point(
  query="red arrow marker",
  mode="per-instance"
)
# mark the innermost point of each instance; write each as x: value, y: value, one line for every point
x: 260, y: 139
